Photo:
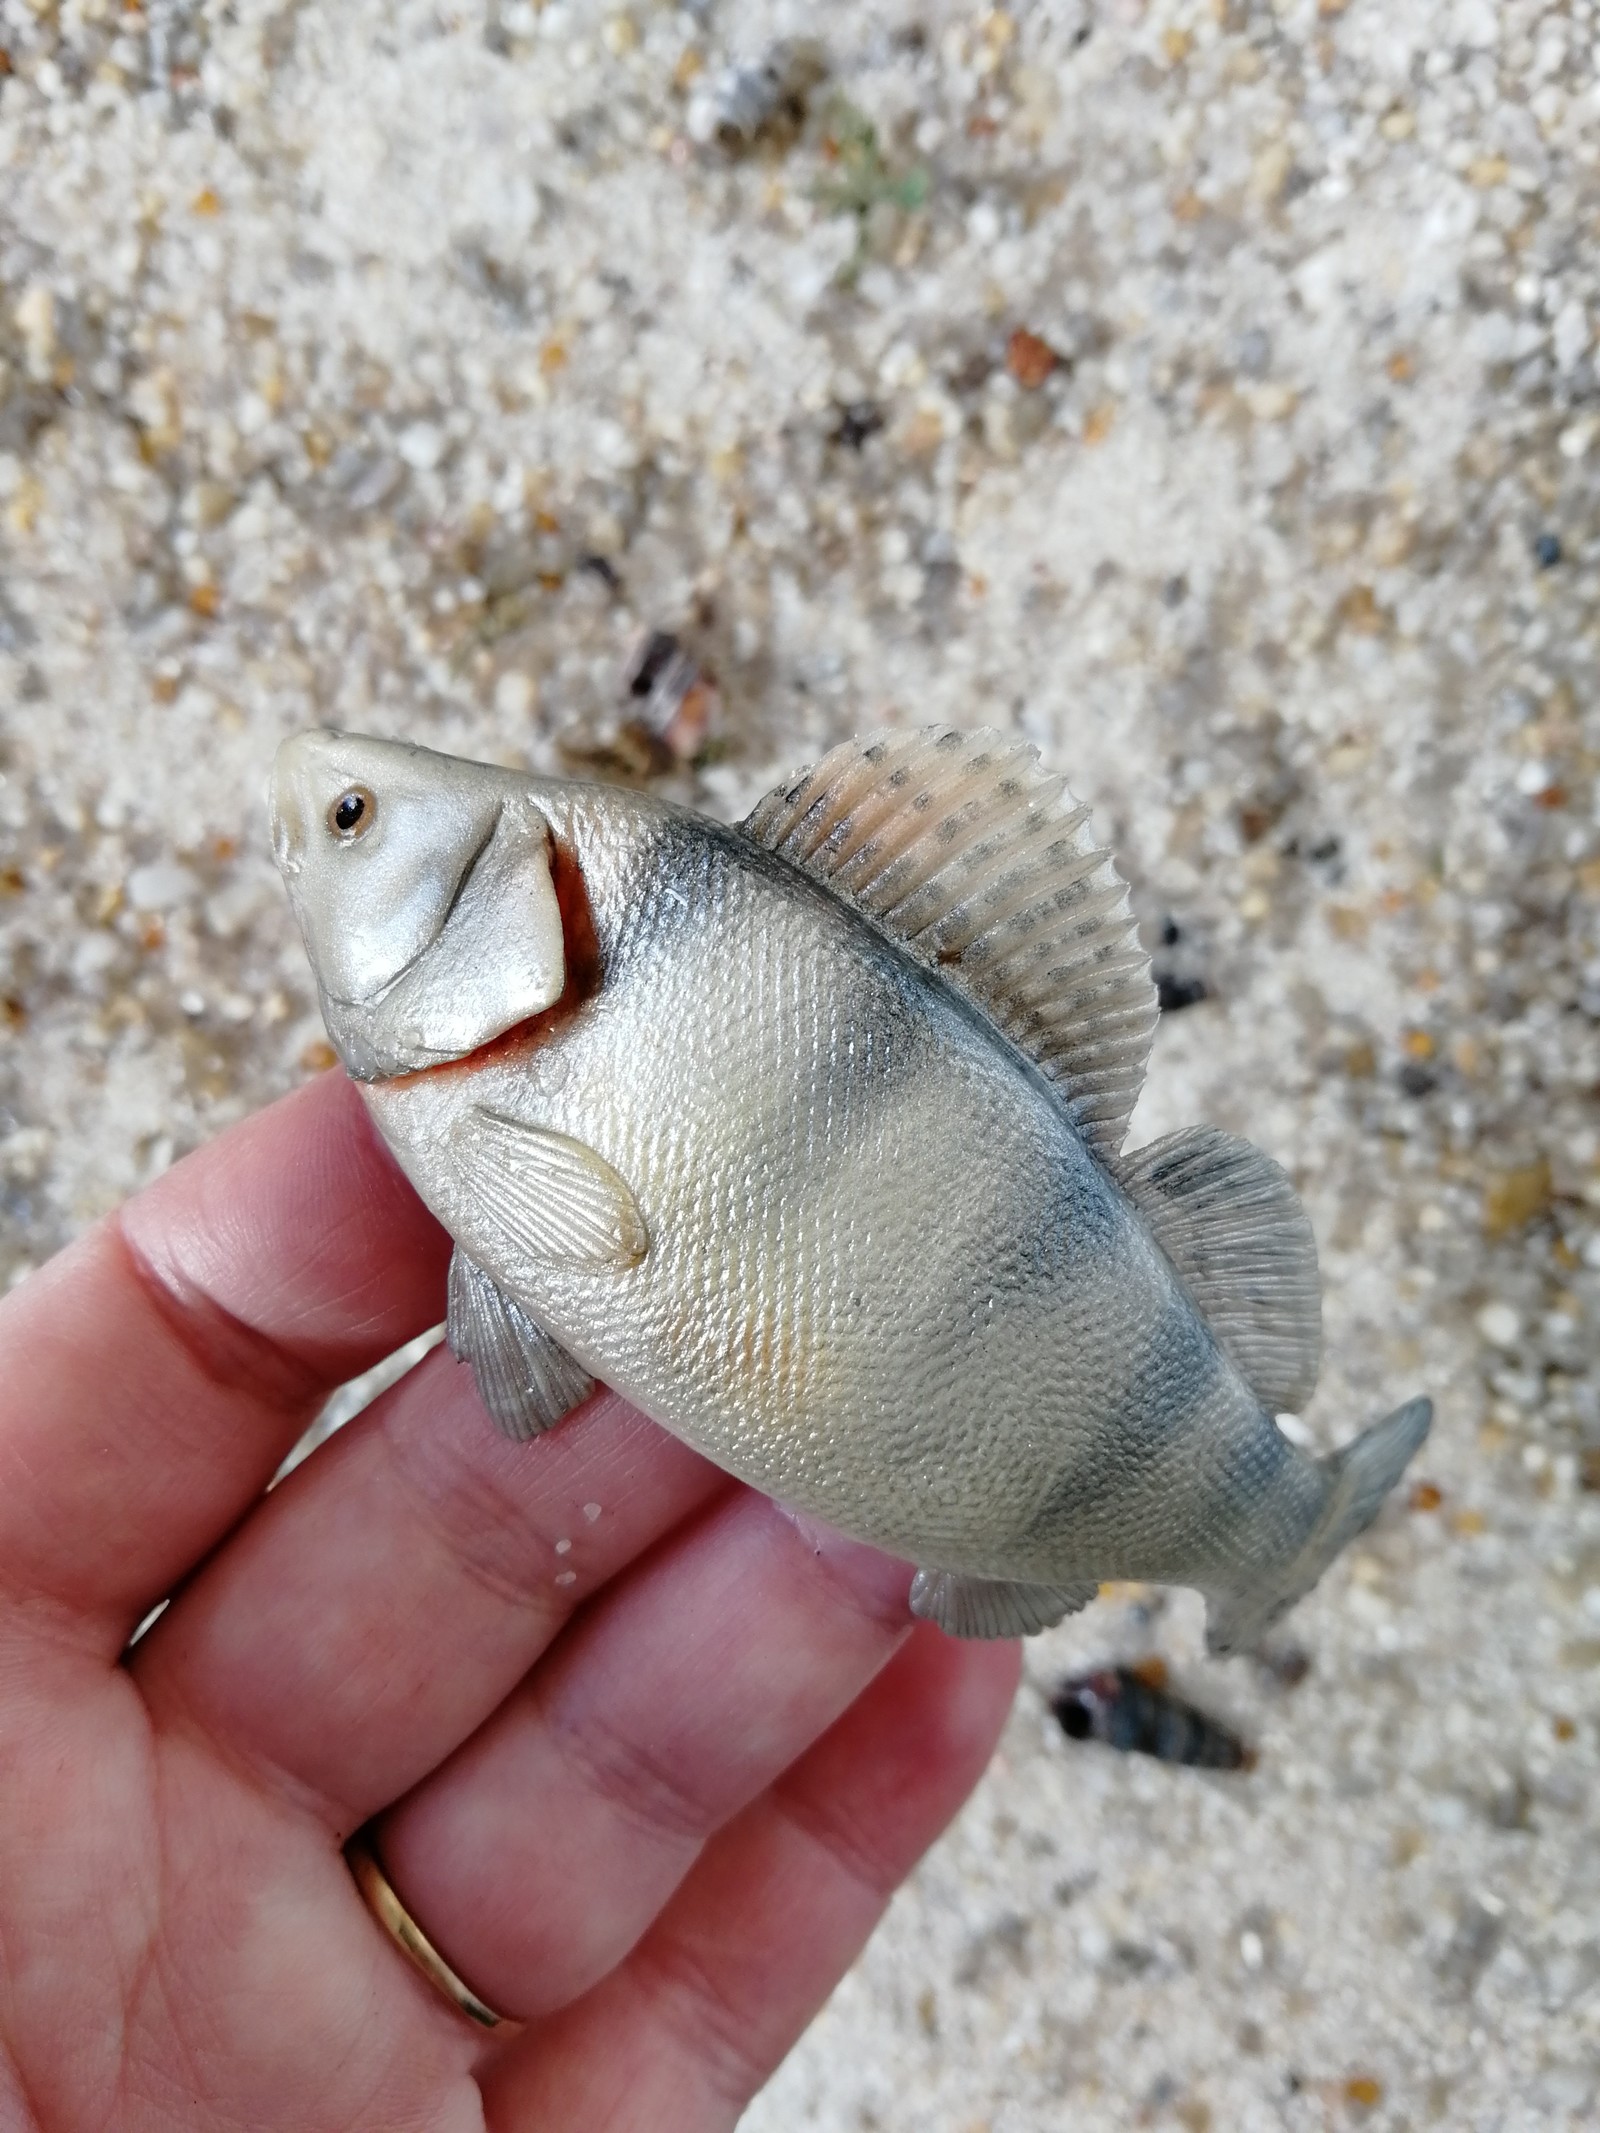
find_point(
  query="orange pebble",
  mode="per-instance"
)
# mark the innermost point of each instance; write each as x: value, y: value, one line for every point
x: 1029, y: 359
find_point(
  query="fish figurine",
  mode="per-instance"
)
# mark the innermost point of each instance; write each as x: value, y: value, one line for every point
x: 806, y: 1136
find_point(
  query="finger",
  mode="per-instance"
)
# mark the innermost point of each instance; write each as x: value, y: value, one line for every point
x: 157, y: 1371
x: 541, y: 1853
x: 682, y: 2035
x: 374, y: 1610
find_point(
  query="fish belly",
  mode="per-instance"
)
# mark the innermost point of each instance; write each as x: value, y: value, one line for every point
x: 885, y: 1279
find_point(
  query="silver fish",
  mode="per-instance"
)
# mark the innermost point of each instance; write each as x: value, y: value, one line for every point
x: 806, y: 1136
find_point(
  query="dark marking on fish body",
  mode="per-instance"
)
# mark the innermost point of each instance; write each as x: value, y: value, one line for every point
x: 1177, y: 1352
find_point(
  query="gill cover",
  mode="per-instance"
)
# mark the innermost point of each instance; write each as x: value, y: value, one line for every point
x: 423, y: 888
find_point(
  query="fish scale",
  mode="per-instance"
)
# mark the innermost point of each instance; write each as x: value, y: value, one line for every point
x: 817, y: 1158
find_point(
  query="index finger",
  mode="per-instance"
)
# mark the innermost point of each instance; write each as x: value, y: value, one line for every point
x: 154, y: 1374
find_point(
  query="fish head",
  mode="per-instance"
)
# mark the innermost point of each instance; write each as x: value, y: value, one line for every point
x: 424, y: 889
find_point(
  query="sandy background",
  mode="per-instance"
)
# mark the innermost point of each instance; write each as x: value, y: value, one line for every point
x: 1207, y: 391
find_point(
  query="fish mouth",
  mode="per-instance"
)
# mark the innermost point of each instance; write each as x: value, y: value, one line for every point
x: 525, y: 1035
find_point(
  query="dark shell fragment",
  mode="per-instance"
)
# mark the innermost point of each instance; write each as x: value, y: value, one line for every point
x: 1132, y: 1710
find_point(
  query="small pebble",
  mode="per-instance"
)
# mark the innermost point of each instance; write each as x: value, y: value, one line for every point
x: 1499, y: 1324
x: 1514, y: 1198
x: 1175, y: 993
x: 856, y: 422
x: 762, y: 100
x: 422, y: 446
x: 1547, y: 550
x: 161, y: 886
x: 514, y: 697
x: 1030, y: 359
x: 1285, y: 1665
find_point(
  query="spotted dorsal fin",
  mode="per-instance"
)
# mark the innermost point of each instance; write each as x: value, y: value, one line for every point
x: 980, y: 862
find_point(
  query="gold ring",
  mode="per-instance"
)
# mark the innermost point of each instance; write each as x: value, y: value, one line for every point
x: 404, y: 1931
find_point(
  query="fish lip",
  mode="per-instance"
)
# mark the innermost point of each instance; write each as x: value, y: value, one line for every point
x: 441, y: 1060
x: 434, y: 1058
x: 380, y: 993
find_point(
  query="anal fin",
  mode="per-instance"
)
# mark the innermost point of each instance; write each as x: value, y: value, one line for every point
x: 525, y: 1379
x: 993, y: 1607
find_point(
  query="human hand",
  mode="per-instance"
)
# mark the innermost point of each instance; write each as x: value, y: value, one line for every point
x: 648, y: 1792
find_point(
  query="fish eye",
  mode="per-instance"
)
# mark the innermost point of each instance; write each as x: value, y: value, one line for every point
x: 351, y: 815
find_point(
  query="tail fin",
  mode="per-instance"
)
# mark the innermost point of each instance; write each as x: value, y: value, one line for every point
x: 1359, y: 1478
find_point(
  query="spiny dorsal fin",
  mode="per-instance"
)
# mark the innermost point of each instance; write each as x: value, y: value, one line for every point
x: 963, y: 849
x: 1232, y: 1225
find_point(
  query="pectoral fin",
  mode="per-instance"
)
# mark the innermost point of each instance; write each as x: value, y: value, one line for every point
x: 526, y: 1380
x: 993, y: 1607
x: 550, y: 1196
